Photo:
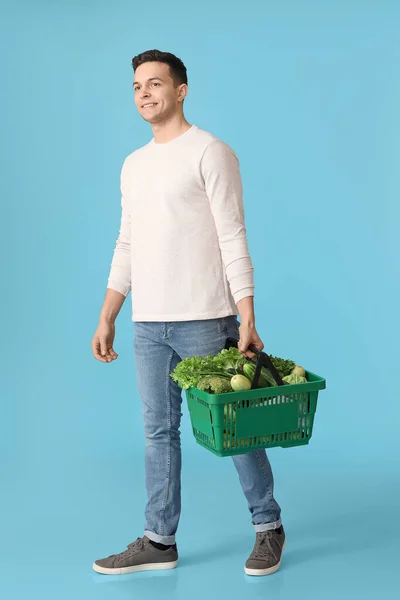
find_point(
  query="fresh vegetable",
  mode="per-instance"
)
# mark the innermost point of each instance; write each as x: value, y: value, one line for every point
x: 298, y: 375
x: 189, y: 371
x: 265, y: 374
x: 214, y: 384
x: 299, y: 371
x: 249, y: 370
x: 230, y: 360
x: 293, y: 378
x: 283, y: 366
x: 240, y: 383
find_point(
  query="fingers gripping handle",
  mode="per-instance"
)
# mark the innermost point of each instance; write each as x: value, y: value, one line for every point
x: 262, y: 361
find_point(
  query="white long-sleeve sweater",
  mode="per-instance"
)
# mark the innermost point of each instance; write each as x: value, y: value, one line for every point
x: 182, y: 246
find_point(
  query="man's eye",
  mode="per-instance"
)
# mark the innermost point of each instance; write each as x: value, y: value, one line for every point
x: 137, y: 88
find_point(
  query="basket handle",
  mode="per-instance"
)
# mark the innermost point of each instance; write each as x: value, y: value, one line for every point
x: 262, y: 361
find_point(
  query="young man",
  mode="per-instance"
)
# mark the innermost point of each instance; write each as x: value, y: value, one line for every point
x: 182, y: 249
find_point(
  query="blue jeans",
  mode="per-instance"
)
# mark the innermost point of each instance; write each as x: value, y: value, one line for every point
x: 158, y: 347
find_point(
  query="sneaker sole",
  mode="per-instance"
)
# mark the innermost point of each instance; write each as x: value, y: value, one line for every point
x: 268, y: 571
x: 136, y: 568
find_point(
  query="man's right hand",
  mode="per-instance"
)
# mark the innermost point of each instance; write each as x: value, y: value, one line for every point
x: 102, y: 342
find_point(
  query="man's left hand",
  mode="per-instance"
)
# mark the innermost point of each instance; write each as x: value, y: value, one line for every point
x: 249, y: 336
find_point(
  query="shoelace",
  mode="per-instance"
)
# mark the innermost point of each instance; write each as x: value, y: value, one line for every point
x: 263, y: 545
x: 138, y: 545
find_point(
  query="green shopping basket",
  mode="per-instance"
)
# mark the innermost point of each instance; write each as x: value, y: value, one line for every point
x: 238, y: 422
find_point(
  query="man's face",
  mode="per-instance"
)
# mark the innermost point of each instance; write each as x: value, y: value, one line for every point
x: 153, y: 84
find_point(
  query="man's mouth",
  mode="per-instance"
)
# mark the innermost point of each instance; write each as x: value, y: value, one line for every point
x: 149, y: 105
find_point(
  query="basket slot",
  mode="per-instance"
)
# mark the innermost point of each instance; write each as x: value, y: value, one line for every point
x: 203, y: 438
x: 264, y: 440
x: 230, y: 413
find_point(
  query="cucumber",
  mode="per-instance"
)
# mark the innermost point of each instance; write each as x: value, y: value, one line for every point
x: 264, y: 379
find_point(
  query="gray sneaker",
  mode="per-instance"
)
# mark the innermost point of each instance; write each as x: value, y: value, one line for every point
x: 140, y: 556
x: 266, y: 556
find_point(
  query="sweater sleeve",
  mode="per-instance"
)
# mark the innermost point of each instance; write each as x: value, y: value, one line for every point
x: 223, y: 185
x: 120, y: 273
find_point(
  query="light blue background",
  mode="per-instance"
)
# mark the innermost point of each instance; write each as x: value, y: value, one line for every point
x: 308, y: 95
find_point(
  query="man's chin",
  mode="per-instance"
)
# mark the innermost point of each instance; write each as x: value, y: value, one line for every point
x: 148, y: 119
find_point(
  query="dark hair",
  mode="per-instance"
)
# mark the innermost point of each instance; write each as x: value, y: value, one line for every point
x: 177, y: 69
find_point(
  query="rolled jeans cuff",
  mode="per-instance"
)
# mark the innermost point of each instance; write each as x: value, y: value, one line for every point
x: 267, y: 526
x: 167, y: 540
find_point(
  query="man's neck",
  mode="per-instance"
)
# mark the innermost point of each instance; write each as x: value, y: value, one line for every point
x: 166, y: 132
